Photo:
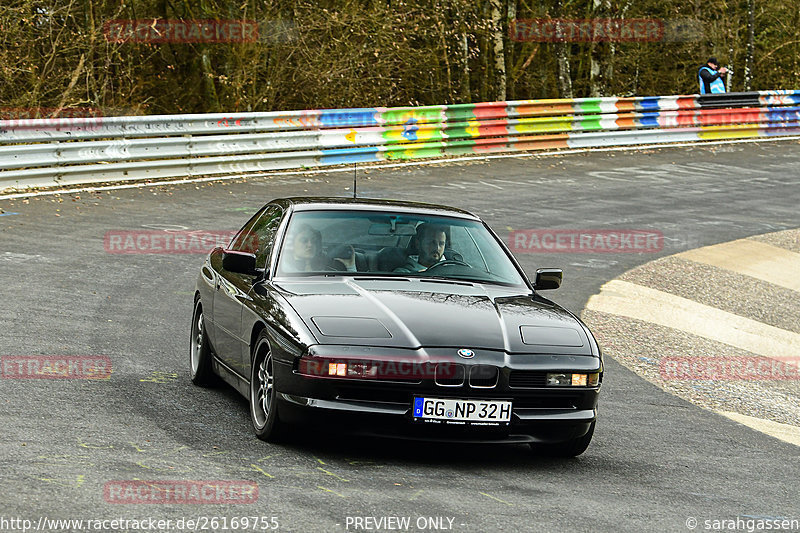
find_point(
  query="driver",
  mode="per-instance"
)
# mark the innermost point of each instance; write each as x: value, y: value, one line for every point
x: 431, y: 241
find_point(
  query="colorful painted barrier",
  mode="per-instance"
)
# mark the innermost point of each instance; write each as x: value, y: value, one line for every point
x: 45, y: 152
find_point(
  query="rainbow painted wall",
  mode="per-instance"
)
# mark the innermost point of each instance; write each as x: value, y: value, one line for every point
x: 84, y: 150
x: 378, y: 134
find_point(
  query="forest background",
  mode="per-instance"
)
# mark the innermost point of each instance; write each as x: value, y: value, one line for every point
x: 58, y: 55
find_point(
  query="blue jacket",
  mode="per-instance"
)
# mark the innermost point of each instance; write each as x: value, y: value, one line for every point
x: 710, y: 80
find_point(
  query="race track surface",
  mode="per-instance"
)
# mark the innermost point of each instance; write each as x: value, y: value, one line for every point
x: 656, y: 462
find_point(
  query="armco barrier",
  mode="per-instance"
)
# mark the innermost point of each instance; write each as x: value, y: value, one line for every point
x: 39, y: 153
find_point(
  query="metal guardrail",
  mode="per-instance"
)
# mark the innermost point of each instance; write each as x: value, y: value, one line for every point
x: 43, y: 152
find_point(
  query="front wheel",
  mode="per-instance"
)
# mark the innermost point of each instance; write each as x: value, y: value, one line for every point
x: 200, y: 350
x: 263, y: 395
x: 571, y: 448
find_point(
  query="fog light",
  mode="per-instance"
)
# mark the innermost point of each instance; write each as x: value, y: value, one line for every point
x: 566, y: 379
x: 337, y: 369
x: 330, y: 367
x: 578, y: 380
x: 558, y: 380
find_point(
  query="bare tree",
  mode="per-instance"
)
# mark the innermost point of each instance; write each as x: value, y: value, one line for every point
x: 362, y: 53
x: 466, y: 91
x: 498, y: 49
x: 596, y: 82
x: 562, y: 59
x: 564, y: 75
x: 748, y: 60
x: 511, y: 16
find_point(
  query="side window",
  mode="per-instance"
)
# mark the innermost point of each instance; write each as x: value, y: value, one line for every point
x: 259, y: 236
x: 264, y: 232
x: 243, y: 241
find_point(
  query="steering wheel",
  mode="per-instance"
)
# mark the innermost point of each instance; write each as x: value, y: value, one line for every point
x: 447, y: 262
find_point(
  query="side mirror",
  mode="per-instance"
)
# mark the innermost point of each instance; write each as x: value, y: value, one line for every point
x: 548, y: 278
x: 239, y: 262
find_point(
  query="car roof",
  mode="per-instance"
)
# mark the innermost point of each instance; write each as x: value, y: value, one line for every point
x: 310, y: 203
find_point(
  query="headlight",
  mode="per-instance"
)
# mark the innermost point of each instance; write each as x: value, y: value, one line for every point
x: 394, y: 369
x: 567, y: 379
x: 324, y: 367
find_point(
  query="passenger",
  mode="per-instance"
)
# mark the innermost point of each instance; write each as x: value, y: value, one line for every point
x: 431, y: 242
x: 307, y: 253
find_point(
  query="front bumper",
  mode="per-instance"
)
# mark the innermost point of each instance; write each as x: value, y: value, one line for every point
x: 395, y: 420
x: 384, y: 408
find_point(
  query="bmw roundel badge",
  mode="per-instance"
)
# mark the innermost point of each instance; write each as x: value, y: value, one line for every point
x: 466, y: 353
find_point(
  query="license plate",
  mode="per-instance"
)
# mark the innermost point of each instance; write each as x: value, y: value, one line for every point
x: 464, y: 411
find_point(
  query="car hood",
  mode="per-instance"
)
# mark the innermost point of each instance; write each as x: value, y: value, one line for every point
x: 418, y: 313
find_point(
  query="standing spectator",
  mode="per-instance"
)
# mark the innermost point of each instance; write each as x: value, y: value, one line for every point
x: 710, y: 77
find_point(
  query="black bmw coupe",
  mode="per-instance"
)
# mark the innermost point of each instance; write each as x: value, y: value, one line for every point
x: 392, y: 318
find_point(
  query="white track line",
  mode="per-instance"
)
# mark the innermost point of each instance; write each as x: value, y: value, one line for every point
x: 748, y: 257
x: 784, y: 432
x: 630, y: 300
x: 752, y: 258
x: 349, y: 168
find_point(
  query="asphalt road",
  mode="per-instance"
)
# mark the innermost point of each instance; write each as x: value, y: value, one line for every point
x: 655, y: 463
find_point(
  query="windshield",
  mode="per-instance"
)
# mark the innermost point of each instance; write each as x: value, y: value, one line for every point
x: 393, y: 244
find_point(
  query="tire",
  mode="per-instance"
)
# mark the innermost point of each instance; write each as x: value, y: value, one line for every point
x: 267, y: 424
x: 200, y: 350
x: 571, y: 448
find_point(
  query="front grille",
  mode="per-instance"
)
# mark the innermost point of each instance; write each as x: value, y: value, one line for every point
x: 449, y: 375
x: 523, y: 379
x: 483, y: 376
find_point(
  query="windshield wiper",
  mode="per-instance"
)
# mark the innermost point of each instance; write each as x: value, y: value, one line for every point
x: 472, y: 281
x: 441, y: 279
x: 367, y: 276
